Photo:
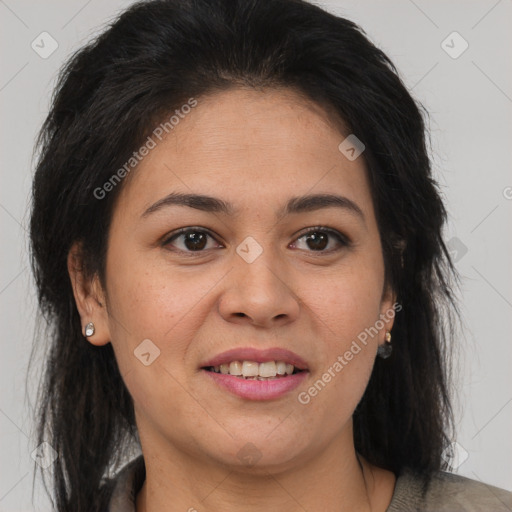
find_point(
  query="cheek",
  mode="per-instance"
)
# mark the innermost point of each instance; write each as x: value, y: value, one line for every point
x: 156, y: 313
x: 347, y: 362
x: 347, y: 309
x: 143, y: 305
x: 160, y: 304
x: 151, y: 300
x: 348, y: 303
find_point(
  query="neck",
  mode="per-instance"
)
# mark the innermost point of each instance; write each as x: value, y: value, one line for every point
x: 334, y: 479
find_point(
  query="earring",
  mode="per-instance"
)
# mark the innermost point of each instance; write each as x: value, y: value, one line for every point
x: 384, y: 351
x: 89, y: 329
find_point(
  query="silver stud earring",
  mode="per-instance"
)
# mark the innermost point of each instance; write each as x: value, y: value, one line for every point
x: 89, y: 329
x: 384, y: 351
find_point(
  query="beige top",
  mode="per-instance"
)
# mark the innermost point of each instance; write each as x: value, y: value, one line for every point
x: 447, y: 492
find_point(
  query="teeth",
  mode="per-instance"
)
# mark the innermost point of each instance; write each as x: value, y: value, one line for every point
x: 235, y: 368
x: 250, y: 369
x: 267, y: 369
x: 281, y: 368
x: 254, y: 370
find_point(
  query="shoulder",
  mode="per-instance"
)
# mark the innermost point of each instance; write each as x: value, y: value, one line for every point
x: 447, y: 492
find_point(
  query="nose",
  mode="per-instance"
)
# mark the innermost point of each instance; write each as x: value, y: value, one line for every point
x: 259, y: 293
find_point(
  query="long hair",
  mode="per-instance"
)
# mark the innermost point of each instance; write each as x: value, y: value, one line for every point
x: 110, y: 96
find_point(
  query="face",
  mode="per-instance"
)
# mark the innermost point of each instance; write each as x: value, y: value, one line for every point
x: 309, y: 280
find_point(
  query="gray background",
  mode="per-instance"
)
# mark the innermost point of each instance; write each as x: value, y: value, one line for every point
x: 470, y: 101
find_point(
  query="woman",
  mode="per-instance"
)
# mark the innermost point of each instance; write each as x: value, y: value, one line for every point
x: 237, y: 240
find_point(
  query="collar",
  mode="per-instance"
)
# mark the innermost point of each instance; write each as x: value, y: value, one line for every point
x: 128, y: 483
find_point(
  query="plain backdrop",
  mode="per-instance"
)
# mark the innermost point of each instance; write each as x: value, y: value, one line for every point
x: 468, y: 92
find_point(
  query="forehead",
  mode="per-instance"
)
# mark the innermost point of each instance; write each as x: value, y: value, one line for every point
x: 248, y: 145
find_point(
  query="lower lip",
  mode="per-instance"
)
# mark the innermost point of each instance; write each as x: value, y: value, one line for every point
x: 258, y: 389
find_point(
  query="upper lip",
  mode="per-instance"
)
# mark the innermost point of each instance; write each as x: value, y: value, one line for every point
x: 258, y: 356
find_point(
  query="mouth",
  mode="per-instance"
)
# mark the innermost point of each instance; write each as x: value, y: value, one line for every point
x: 255, y: 374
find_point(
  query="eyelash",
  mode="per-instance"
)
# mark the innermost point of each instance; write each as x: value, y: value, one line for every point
x: 342, y: 239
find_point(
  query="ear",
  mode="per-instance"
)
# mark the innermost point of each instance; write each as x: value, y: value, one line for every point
x: 388, y: 308
x: 90, y: 297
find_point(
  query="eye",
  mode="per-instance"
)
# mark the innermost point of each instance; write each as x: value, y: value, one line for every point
x: 317, y: 239
x: 193, y: 239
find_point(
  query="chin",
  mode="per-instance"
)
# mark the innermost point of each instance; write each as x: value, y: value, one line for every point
x: 258, y: 456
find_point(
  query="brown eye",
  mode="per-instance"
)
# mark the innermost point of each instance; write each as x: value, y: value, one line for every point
x: 191, y: 240
x: 317, y: 239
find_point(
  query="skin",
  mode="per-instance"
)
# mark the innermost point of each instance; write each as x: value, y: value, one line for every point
x: 254, y: 149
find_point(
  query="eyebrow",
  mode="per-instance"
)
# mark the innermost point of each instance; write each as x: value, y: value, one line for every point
x: 295, y: 205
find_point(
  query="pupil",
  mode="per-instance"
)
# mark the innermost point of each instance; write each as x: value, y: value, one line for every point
x: 316, y: 238
x: 195, y: 238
